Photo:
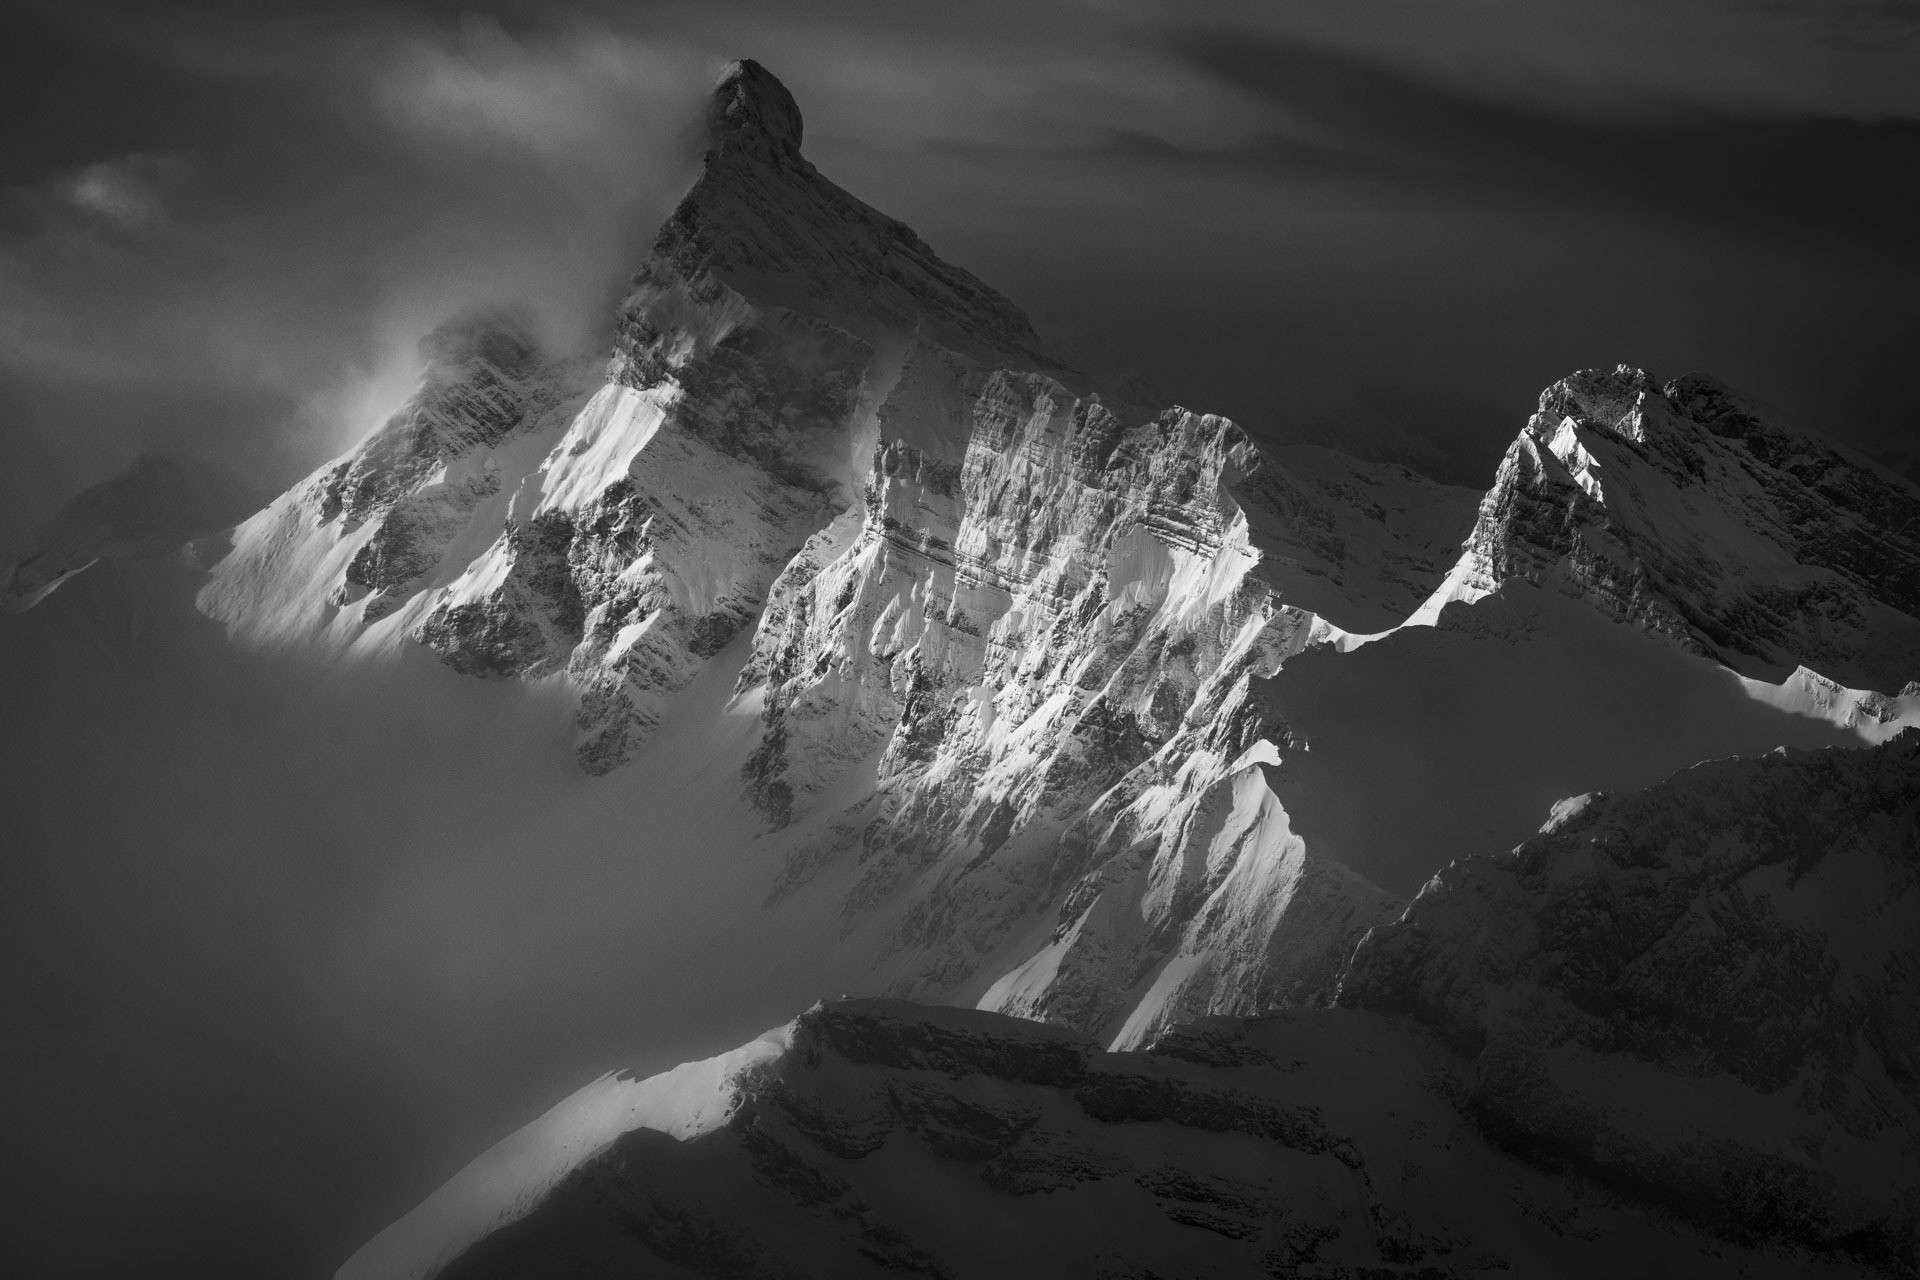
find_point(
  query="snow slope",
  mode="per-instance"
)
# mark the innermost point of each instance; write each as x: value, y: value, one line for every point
x: 346, y: 560
x: 514, y: 1176
x: 1432, y: 743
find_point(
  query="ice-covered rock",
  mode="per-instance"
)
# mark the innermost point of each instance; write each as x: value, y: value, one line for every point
x: 1684, y: 510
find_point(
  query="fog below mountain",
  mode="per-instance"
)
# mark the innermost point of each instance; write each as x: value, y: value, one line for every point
x: 284, y: 947
x: 288, y: 943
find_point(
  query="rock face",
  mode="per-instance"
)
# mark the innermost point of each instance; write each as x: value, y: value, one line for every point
x: 353, y: 556
x: 1043, y: 656
x: 1682, y: 510
x: 1704, y: 992
x: 1673, y: 1034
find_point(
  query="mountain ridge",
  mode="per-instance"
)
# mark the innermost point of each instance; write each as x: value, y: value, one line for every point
x: 1679, y: 509
x: 1012, y: 647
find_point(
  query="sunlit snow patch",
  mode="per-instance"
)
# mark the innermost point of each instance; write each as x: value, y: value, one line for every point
x: 513, y: 1175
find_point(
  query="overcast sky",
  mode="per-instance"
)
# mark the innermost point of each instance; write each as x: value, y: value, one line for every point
x: 223, y: 224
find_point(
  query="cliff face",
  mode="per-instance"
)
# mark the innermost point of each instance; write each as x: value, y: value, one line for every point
x: 1043, y: 655
x: 1682, y: 510
x: 1673, y: 1033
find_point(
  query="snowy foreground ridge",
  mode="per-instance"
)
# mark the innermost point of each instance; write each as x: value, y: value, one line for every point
x: 1635, y: 1045
x: 1109, y: 717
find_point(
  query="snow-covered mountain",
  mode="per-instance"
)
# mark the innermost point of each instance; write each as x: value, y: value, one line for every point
x: 1681, y: 509
x: 967, y: 596
x: 1635, y: 1045
x: 623, y: 530
x: 1116, y: 716
x: 1026, y: 659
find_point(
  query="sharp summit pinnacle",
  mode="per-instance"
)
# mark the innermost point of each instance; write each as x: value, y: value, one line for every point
x: 750, y: 106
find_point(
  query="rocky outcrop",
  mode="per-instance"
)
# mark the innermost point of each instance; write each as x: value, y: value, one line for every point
x: 483, y: 377
x: 1683, y: 510
x: 350, y: 558
x: 764, y: 225
x: 1703, y: 992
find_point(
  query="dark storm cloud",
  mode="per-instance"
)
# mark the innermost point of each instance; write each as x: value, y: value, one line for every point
x: 1844, y: 58
x: 1360, y: 119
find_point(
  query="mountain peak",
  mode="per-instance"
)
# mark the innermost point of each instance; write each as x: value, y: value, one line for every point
x: 1683, y: 509
x: 750, y: 106
x: 501, y: 335
x: 763, y: 222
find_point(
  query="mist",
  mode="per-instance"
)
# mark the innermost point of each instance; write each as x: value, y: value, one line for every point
x: 286, y: 946
x: 249, y: 289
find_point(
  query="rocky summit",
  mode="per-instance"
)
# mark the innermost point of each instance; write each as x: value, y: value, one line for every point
x: 1680, y: 508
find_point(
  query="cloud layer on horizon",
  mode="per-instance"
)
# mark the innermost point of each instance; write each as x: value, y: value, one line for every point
x: 226, y: 228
